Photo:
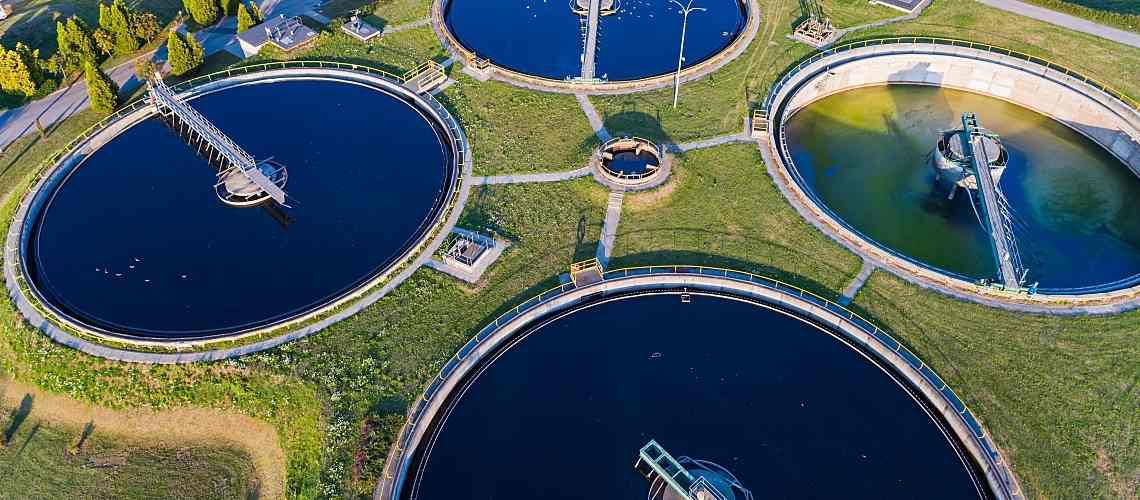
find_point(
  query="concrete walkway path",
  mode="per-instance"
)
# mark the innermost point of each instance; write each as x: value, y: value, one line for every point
x: 857, y: 283
x: 738, y: 138
x: 609, y: 227
x: 1065, y: 21
x: 527, y: 178
x: 388, y: 30
x: 592, y: 115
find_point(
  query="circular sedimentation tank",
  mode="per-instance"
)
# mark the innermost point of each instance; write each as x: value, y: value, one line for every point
x: 630, y: 163
x: 866, y: 153
x: 638, y: 39
x: 568, y: 399
x: 131, y: 239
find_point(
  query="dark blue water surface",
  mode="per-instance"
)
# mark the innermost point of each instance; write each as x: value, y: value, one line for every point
x: 791, y: 411
x: 544, y: 38
x: 137, y: 240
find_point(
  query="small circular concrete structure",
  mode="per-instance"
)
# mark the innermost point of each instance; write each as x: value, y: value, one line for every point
x: 485, y: 67
x: 1108, y: 118
x: 108, y: 344
x: 874, y: 344
x: 237, y: 189
x: 630, y: 164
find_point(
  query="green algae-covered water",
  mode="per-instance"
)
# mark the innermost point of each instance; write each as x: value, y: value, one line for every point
x: 865, y: 153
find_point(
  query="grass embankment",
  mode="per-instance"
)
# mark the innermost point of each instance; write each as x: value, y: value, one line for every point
x: 514, y: 130
x: 54, y: 447
x: 1060, y: 395
x: 719, y: 103
x: 383, y: 12
x: 721, y: 209
x: 1122, y: 14
x: 396, y: 53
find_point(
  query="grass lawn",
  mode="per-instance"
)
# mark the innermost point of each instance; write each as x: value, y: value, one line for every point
x: 1122, y: 14
x: 514, y: 130
x: 386, y: 12
x: 397, y: 53
x: 33, y: 21
x: 720, y: 208
x: 848, y: 13
x: 1059, y: 395
x: 41, y: 459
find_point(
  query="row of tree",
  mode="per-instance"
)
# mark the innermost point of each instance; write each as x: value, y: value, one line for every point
x: 207, y: 12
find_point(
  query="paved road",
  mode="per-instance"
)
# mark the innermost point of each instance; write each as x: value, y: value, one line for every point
x: 1066, y: 21
x: 609, y: 227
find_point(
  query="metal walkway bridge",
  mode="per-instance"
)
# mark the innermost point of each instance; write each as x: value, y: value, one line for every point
x: 995, y: 216
x: 591, y: 45
x: 221, y: 147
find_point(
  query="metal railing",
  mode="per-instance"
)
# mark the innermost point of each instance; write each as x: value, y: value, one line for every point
x: 46, y: 167
x: 953, y: 42
x: 635, y: 176
x: 996, y: 462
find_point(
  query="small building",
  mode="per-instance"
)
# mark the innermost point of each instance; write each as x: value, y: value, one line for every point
x: 359, y: 29
x: 285, y: 33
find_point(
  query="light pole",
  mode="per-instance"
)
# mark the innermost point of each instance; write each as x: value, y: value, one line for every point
x: 685, y: 10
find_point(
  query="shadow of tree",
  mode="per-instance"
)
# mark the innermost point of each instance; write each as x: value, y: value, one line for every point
x: 17, y: 417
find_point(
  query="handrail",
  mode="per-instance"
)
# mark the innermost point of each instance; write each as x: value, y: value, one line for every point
x: 966, y: 416
x: 873, y: 42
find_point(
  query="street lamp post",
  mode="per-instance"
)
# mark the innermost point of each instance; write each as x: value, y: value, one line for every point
x: 685, y: 10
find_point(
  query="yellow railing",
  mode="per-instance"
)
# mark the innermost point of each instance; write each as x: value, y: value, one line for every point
x: 953, y: 42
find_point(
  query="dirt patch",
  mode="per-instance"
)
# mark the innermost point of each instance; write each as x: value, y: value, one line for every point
x: 181, y: 425
x: 658, y: 196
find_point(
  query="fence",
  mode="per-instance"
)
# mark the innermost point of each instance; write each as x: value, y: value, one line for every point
x: 994, y: 460
x: 46, y: 167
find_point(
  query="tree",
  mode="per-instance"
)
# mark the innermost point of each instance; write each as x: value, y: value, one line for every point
x: 144, y: 25
x: 116, y: 19
x: 184, y: 53
x: 19, y: 70
x: 145, y: 69
x: 245, y: 19
x: 229, y: 7
x: 104, y: 41
x: 76, y: 45
x: 103, y: 92
x: 204, y: 12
